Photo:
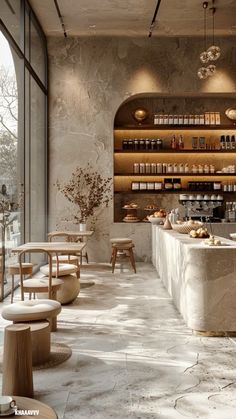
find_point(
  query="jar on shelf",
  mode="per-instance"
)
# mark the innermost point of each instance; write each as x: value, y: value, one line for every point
x: 130, y: 144
x: 169, y: 168
x: 135, y: 186
x: 141, y: 144
x: 142, y: 168
x: 147, y: 144
x: 217, y: 186
x: 136, y: 168
x: 186, y: 168
x: 157, y: 186
x: 147, y: 168
x: 159, y: 144
x: 212, y: 168
x: 136, y: 144
x: 181, y: 168
x: 175, y: 119
x: 175, y: 168
x: 181, y: 119
x: 206, y: 168
x: 142, y: 186
x: 153, y: 168
x: 164, y: 167
x: 159, y: 167
x: 186, y: 119
x: 177, y: 184
x: 125, y: 144
x: 153, y: 144
x: 171, y: 120
x: 168, y: 183
x: 150, y: 186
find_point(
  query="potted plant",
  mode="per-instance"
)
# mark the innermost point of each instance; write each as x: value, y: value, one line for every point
x: 87, y: 190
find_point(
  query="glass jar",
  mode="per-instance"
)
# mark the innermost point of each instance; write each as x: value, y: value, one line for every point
x: 153, y: 168
x: 142, y: 186
x: 147, y: 168
x: 158, y: 186
x: 177, y: 183
x: 130, y: 144
x: 141, y: 144
x: 147, y: 144
x: 135, y: 186
x: 136, y: 144
x: 159, y: 168
x: 125, y: 144
x: 217, y: 186
x: 141, y: 167
x: 153, y: 144
x: 150, y: 186
x: 136, y: 168
x: 159, y: 144
x: 168, y: 183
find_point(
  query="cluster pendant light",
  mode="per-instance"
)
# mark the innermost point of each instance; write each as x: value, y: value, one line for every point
x: 213, y: 52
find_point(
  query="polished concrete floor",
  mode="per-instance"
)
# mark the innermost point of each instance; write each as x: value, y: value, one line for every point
x: 133, y: 356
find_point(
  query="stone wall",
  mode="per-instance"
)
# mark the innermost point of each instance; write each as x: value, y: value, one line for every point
x: 89, y: 79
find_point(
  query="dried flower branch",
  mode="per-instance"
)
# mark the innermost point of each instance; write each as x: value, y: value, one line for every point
x: 86, y: 189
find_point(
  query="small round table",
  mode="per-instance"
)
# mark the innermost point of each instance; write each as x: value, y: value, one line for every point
x: 26, y: 404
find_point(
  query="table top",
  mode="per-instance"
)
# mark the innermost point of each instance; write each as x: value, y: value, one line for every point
x: 52, y: 247
x: 25, y: 404
x: 71, y: 233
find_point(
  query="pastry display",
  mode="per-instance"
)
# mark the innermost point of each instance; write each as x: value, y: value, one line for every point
x: 132, y: 205
x: 151, y: 207
x: 160, y: 214
x: 201, y: 232
x: 130, y: 218
x: 212, y: 241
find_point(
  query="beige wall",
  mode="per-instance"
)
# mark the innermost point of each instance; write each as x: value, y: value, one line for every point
x: 89, y: 79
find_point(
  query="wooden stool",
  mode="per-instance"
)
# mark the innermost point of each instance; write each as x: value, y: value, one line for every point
x: 27, y: 269
x: 124, y: 246
x: 17, y: 361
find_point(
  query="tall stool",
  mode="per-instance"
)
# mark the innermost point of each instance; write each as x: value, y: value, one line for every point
x: 122, y: 246
x: 14, y: 269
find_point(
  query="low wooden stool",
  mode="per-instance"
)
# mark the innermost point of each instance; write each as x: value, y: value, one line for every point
x: 125, y: 246
x: 17, y: 361
x: 14, y: 269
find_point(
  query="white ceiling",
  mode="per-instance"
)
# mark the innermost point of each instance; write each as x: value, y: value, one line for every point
x: 133, y: 17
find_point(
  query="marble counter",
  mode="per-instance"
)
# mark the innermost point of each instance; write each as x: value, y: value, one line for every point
x: 200, y: 279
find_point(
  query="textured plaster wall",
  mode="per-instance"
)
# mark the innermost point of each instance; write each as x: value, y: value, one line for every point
x: 89, y: 79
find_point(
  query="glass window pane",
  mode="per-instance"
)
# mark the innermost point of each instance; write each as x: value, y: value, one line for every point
x: 38, y: 164
x: 10, y: 15
x: 11, y: 156
x: 37, y: 52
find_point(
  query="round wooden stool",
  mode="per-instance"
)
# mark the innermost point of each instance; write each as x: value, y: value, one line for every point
x: 14, y: 269
x: 124, y: 246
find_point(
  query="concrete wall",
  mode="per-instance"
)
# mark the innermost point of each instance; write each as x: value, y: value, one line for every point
x: 89, y: 79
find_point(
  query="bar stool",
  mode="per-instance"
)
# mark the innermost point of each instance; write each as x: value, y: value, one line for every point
x: 122, y: 246
x: 14, y: 269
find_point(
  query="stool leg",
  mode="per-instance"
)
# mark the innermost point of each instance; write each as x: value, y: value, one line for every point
x: 12, y: 288
x: 131, y: 256
x: 114, y: 253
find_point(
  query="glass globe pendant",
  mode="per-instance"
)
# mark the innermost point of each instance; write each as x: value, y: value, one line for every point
x: 204, y: 58
x: 211, y: 69
x: 203, y: 73
x: 213, y: 53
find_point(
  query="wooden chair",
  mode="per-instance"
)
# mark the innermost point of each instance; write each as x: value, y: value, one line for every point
x: 14, y: 269
x: 45, y: 284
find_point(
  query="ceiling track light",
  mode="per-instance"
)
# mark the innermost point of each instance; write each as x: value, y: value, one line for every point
x: 153, y: 22
x: 60, y: 18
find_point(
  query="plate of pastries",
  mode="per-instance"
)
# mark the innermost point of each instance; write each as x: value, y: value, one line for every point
x: 200, y: 233
x: 151, y: 207
x: 130, y: 218
x: 131, y: 205
x: 158, y: 217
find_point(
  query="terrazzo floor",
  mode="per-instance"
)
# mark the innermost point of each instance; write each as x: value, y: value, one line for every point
x: 133, y: 356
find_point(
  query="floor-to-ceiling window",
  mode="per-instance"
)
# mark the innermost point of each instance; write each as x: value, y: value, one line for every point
x: 23, y: 130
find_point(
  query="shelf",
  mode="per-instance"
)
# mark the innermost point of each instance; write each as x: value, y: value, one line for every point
x: 170, y: 151
x: 173, y: 191
x: 174, y: 174
x: 172, y: 126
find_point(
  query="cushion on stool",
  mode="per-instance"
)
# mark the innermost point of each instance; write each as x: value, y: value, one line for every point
x: 14, y: 269
x: 41, y: 284
x: 121, y: 240
x: 25, y: 311
x: 62, y: 268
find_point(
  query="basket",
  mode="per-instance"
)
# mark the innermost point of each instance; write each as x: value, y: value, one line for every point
x: 186, y: 228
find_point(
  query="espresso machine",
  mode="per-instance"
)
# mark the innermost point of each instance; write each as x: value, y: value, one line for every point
x: 199, y: 206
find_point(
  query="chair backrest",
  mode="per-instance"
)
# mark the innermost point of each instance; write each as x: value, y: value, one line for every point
x: 33, y: 250
x: 67, y: 237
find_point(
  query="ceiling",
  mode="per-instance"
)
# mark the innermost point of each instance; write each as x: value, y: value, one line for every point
x: 133, y: 17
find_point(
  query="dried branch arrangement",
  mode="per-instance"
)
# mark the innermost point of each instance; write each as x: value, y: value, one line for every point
x: 87, y: 190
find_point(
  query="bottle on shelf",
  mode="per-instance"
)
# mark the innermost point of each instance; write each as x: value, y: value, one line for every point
x: 173, y: 142
x: 232, y: 143
x: 222, y: 142
x: 181, y: 142
x: 227, y: 142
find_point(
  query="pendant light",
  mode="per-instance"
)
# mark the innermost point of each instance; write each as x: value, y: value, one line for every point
x: 213, y: 52
x: 204, y: 58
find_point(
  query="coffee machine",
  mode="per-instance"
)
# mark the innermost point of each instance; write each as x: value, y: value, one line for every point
x: 199, y: 206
